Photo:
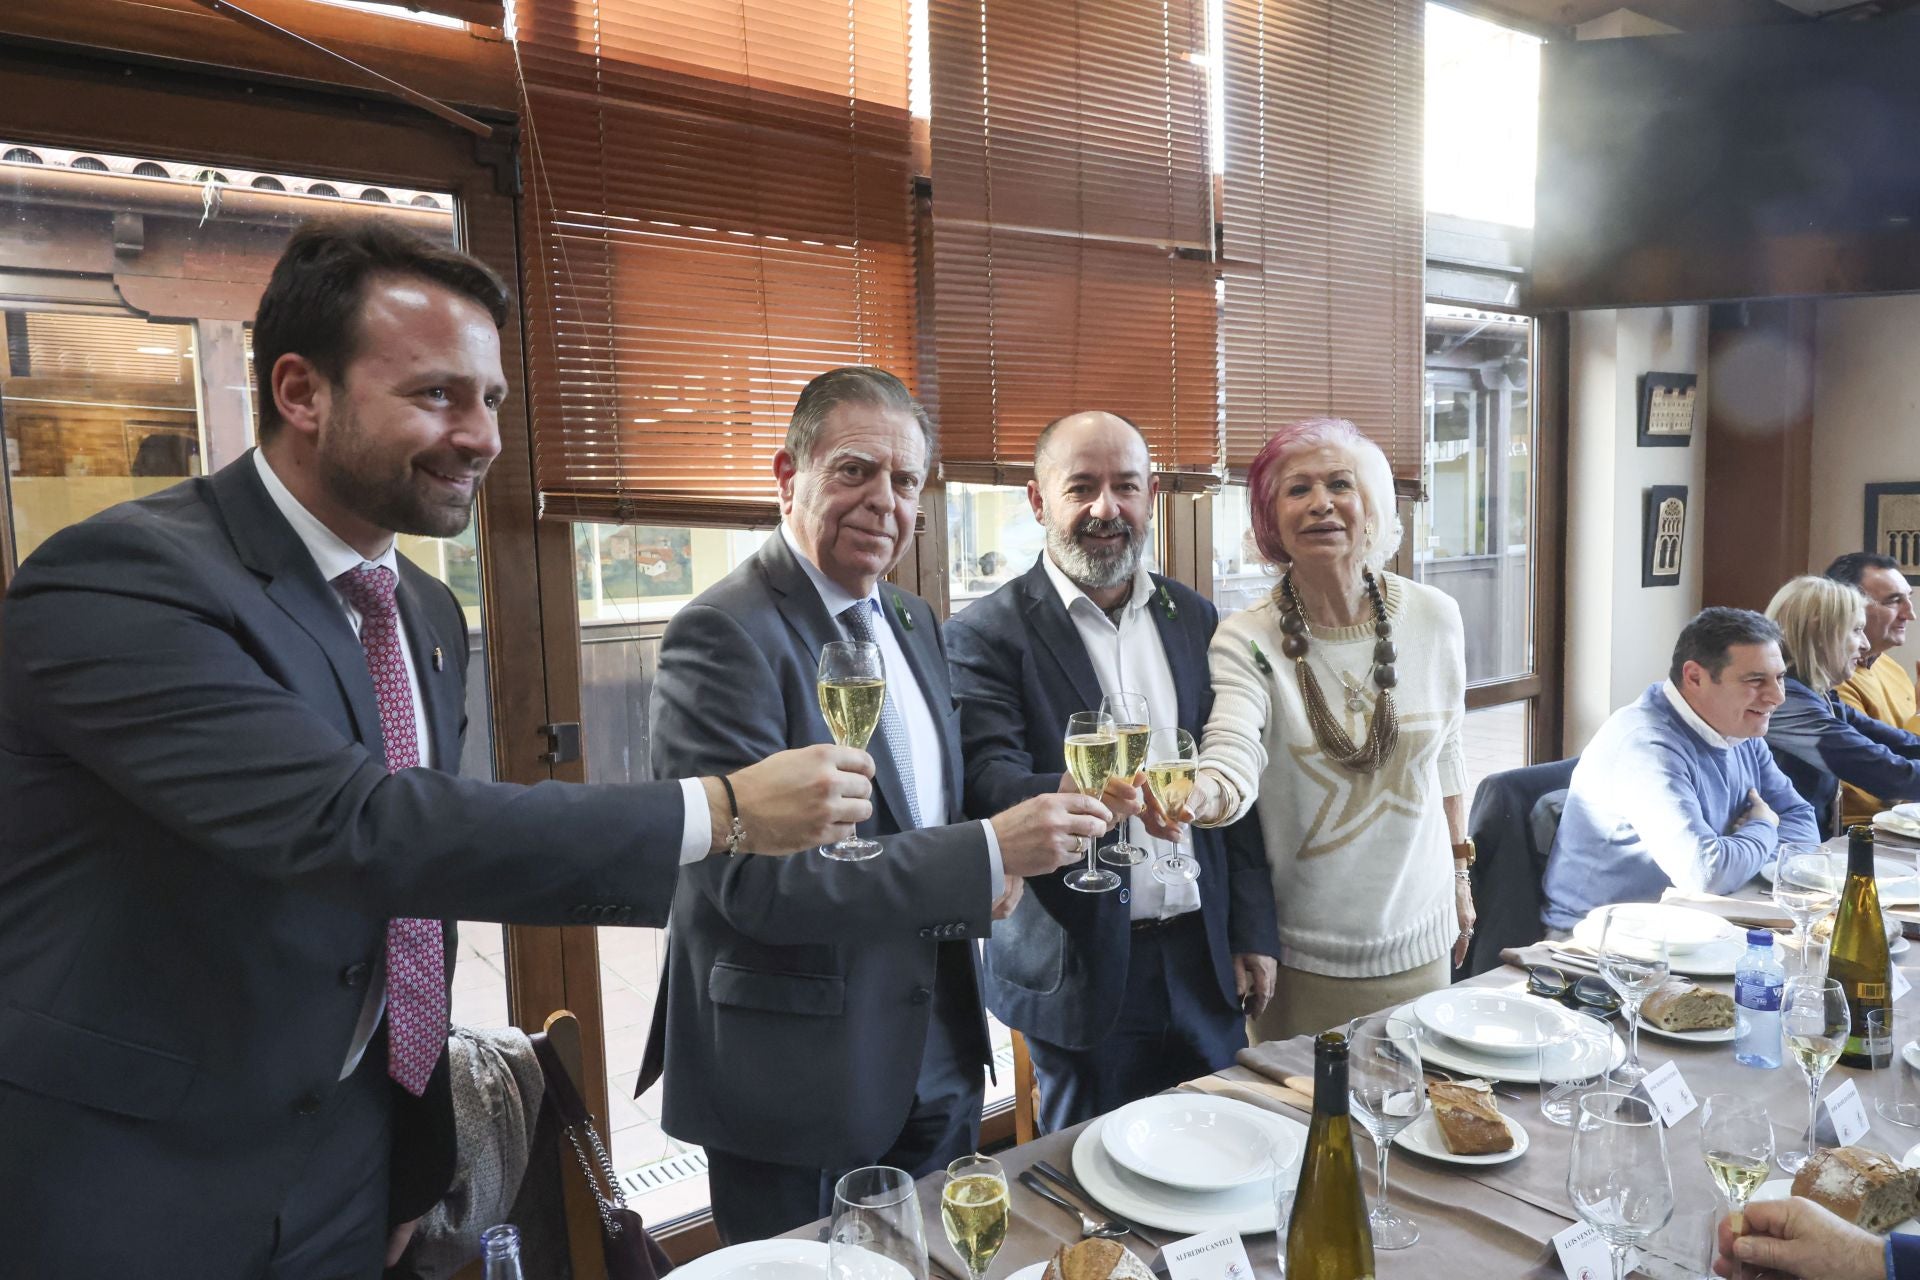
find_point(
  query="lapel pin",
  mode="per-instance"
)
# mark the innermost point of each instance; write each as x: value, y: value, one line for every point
x: 1166, y: 603
x: 900, y: 612
x: 438, y: 662
x: 1260, y: 659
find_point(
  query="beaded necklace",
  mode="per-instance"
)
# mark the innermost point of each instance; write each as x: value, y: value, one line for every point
x: 1383, y: 730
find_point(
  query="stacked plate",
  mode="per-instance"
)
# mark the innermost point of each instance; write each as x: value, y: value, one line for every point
x: 1188, y: 1162
x: 1490, y: 1034
x: 1902, y: 822
x: 1700, y: 944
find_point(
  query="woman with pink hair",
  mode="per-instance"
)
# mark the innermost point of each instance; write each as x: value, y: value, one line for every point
x: 1338, y: 702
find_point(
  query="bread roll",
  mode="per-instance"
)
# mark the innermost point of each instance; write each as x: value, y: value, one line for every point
x: 1864, y: 1187
x: 1680, y: 1005
x: 1468, y: 1118
x: 1096, y: 1260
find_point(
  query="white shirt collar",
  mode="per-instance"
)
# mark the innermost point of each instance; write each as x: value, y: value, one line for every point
x: 836, y: 597
x: 1708, y: 734
x: 1070, y: 591
x: 332, y: 555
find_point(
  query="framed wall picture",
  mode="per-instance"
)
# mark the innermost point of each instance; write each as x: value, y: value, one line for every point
x: 1666, y: 409
x: 1663, y: 532
x: 1893, y: 522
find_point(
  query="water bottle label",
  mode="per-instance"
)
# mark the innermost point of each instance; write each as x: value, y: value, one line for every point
x: 1758, y: 994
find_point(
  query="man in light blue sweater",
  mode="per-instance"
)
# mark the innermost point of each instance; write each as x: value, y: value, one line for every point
x: 1678, y: 787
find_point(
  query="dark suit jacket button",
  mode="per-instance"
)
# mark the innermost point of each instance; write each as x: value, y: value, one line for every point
x: 926, y: 933
x: 355, y: 975
x: 308, y: 1104
x: 921, y: 995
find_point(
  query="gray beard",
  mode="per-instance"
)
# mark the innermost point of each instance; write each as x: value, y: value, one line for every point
x: 1096, y: 571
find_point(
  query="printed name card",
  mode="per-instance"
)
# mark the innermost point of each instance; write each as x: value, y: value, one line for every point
x: 1843, y: 1115
x: 1212, y: 1255
x: 1583, y: 1254
x: 1900, y: 986
x: 1669, y: 1094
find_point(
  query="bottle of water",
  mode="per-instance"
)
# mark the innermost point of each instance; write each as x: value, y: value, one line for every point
x: 1757, y: 983
x: 500, y: 1250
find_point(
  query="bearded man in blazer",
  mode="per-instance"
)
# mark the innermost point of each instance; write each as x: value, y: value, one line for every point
x: 818, y: 1015
x: 230, y: 831
x: 1128, y: 992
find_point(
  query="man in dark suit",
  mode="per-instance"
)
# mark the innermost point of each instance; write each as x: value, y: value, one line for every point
x: 819, y: 1015
x: 230, y: 831
x: 1119, y: 994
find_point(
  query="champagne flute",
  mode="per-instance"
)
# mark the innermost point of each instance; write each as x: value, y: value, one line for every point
x: 973, y: 1209
x: 1093, y: 755
x: 1172, y: 762
x: 1388, y: 1090
x: 1806, y: 885
x: 1129, y: 712
x: 1635, y: 966
x: 1618, y: 1178
x: 1736, y: 1141
x: 1815, y: 1021
x: 876, y: 1232
x: 853, y: 688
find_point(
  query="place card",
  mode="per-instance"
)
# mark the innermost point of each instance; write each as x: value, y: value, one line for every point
x: 1583, y: 1254
x: 1211, y: 1255
x: 1900, y: 985
x: 1668, y: 1093
x: 1842, y: 1117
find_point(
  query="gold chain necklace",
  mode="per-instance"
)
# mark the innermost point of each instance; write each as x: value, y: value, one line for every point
x: 1383, y: 730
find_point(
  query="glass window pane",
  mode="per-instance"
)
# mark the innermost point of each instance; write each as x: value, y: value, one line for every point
x: 1240, y: 578
x: 992, y: 537
x: 637, y: 573
x: 1472, y: 537
x: 1495, y: 739
x: 1482, y: 114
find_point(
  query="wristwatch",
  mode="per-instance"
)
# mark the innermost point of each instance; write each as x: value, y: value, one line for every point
x: 1464, y: 854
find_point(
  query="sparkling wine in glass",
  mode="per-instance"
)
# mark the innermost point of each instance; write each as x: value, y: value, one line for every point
x: 1634, y: 962
x: 1173, y: 761
x: 1129, y: 712
x: 1618, y: 1179
x: 853, y: 688
x: 973, y: 1209
x: 1814, y: 1021
x: 1092, y: 749
x: 1388, y: 1090
x: 1736, y: 1141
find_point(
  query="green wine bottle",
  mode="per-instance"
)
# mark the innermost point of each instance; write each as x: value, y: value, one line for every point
x: 1858, y: 958
x: 1330, y: 1238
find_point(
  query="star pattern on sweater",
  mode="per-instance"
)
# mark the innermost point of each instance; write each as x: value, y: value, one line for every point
x: 1351, y: 801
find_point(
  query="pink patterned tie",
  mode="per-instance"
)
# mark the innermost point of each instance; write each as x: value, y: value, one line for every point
x: 416, y: 957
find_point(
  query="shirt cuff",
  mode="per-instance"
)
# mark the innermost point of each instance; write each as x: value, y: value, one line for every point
x: 696, y: 824
x: 995, y: 867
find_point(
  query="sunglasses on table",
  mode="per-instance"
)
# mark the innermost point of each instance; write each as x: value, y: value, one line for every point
x: 1589, y: 991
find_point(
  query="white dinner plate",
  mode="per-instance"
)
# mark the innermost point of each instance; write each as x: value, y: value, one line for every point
x: 1033, y: 1272
x: 1715, y: 960
x: 1901, y: 820
x: 1782, y: 1188
x: 760, y: 1260
x: 1720, y: 1035
x: 1422, y: 1137
x: 1899, y: 883
x: 1686, y: 929
x: 1247, y: 1209
x: 1438, y: 1051
x: 1500, y: 1024
x: 1197, y: 1142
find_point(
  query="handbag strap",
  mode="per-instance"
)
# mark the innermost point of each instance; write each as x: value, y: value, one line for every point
x: 598, y: 1168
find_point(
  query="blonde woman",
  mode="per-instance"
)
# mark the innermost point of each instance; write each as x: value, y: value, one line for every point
x: 1817, y: 740
x: 1338, y: 703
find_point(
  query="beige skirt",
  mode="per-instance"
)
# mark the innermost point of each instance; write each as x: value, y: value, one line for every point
x: 1309, y: 1003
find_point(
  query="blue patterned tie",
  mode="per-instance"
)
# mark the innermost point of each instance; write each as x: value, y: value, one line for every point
x: 893, y: 729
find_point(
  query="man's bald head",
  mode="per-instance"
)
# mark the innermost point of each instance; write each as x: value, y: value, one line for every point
x: 1076, y: 428
x: 1093, y: 489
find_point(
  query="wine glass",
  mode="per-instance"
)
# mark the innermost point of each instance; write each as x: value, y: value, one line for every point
x: 973, y: 1209
x: 1388, y: 1090
x: 1129, y: 712
x: 1618, y: 1178
x: 853, y: 688
x: 876, y: 1231
x: 1635, y: 965
x: 1093, y: 755
x: 1814, y: 1020
x: 1172, y: 761
x: 1806, y: 885
x: 1736, y: 1141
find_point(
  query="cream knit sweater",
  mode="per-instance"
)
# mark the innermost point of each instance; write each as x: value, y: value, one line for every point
x: 1362, y: 863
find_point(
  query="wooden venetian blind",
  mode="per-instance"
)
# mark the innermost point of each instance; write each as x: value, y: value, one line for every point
x: 1322, y: 221
x: 721, y: 193
x: 1073, y: 226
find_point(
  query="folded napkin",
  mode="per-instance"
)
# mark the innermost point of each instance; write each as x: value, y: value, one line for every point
x: 1755, y: 913
x: 1256, y: 1090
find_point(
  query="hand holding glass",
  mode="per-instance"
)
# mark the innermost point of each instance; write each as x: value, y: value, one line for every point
x: 1172, y: 761
x: 1618, y: 1179
x: 1634, y: 965
x: 1814, y: 1022
x: 853, y: 689
x: 1388, y: 1090
x: 1093, y: 755
x: 1129, y: 712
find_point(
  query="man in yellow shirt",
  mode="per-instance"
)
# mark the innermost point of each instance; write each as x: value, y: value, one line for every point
x: 1881, y: 687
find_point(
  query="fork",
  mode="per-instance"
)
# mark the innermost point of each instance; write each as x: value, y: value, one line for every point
x: 1088, y: 1226
x: 1066, y: 1183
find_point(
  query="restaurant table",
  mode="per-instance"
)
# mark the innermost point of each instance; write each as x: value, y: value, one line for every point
x: 1484, y: 1220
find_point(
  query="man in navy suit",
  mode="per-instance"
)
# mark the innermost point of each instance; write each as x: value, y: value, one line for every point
x: 816, y: 1016
x: 231, y: 833
x: 1125, y: 993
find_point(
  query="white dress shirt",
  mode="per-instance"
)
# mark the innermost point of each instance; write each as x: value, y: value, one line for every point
x: 1128, y: 657
x: 1684, y: 709
x: 903, y: 690
x: 333, y: 557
